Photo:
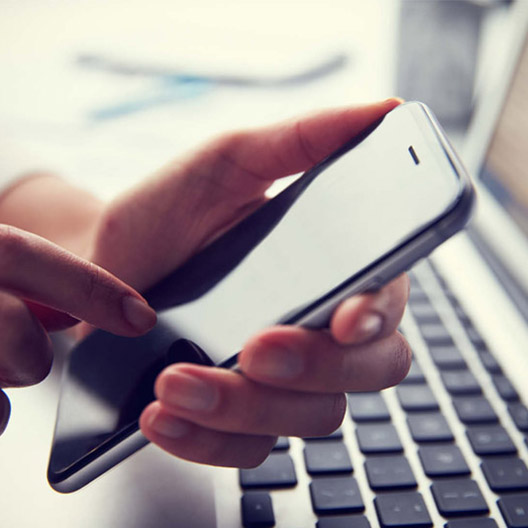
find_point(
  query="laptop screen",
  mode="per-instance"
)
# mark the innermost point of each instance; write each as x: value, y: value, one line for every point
x: 505, y: 170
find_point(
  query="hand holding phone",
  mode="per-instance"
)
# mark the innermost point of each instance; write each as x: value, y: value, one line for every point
x: 349, y: 225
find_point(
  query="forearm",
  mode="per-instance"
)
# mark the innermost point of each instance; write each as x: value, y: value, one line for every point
x: 51, y: 207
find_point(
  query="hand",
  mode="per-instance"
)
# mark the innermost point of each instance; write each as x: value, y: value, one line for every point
x: 293, y: 379
x: 293, y: 384
x: 44, y: 287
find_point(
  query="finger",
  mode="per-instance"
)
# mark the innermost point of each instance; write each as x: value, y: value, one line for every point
x: 272, y: 152
x: 224, y: 400
x: 234, y: 170
x: 371, y: 316
x: 25, y: 348
x: 35, y: 269
x: 190, y: 441
x: 5, y: 411
x: 307, y: 360
x: 216, y: 186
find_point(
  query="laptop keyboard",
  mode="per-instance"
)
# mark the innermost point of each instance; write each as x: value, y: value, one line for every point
x: 447, y: 447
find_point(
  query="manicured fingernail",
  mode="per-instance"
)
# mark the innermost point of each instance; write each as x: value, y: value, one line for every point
x: 275, y: 363
x: 188, y: 392
x: 168, y: 426
x: 369, y: 326
x: 138, y: 313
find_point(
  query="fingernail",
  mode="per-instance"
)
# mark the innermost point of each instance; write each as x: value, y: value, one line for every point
x: 138, y: 313
x: 187, y: 392
x: 274, y: 363
x: 369, y: 326
x: 168, y: 426
x: 392, y: 100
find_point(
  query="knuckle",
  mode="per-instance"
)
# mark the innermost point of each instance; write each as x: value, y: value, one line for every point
x: 323, y: 416
x: 400, y: 360
x: 227, y: 143
x: 305, y: 146
x: 110, y: 227
x: 334, y: 414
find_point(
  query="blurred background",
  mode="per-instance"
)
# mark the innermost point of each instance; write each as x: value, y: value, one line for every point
x: 107, y: 91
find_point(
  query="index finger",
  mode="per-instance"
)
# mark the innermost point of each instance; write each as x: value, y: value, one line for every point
x: 35, y: 269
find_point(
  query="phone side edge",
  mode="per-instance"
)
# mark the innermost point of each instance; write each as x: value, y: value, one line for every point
x: 78, y: 477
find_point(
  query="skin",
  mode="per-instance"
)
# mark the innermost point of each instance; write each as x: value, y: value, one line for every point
x: 292, y: 381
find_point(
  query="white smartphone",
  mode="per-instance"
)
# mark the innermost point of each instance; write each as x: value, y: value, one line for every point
x: 350, y: 224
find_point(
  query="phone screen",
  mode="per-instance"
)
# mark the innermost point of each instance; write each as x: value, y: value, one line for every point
x: 319, y: 234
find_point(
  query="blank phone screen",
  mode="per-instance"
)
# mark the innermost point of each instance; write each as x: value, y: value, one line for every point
x: 318, y: 234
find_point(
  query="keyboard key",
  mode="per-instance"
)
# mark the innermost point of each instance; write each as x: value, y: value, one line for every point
x: 389, y: 472
x: 276, y: 471
x: 505, y: 474
x: 447, y: 358
x: 282, y: 444
x: 367, y: 407
x: 474, y: 410
x: 336, y: 435
x: 416, y: 398
x: 519, y: 414
x: 424, y: 312
x: 436, y: 334
x: 490, y: 440
x: 336, y: 495
x: 417, y: 295
x: 415, y: 374
x: 257, y: 510
x: 443, y: 460
x: 327, y: 457
x: 514, y: 509
x: 475, y: 337
x: 481, y: 522
x: 461, y: 382
x: 343, y: 521
x: 456, y: 497
x: 378, y: 438
x: 402, y: 510
x: 505, y: 388
x: 430, y: 427
x: 489, y: 362
x: 461, y: 313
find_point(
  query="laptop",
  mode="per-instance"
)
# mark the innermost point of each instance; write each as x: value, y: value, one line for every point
x: 446, y: 446
x: 449, y: 446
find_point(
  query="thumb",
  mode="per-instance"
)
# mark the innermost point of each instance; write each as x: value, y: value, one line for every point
x: 187, y: 203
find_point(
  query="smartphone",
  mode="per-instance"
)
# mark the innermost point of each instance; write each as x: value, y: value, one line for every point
x: 350, y: 224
